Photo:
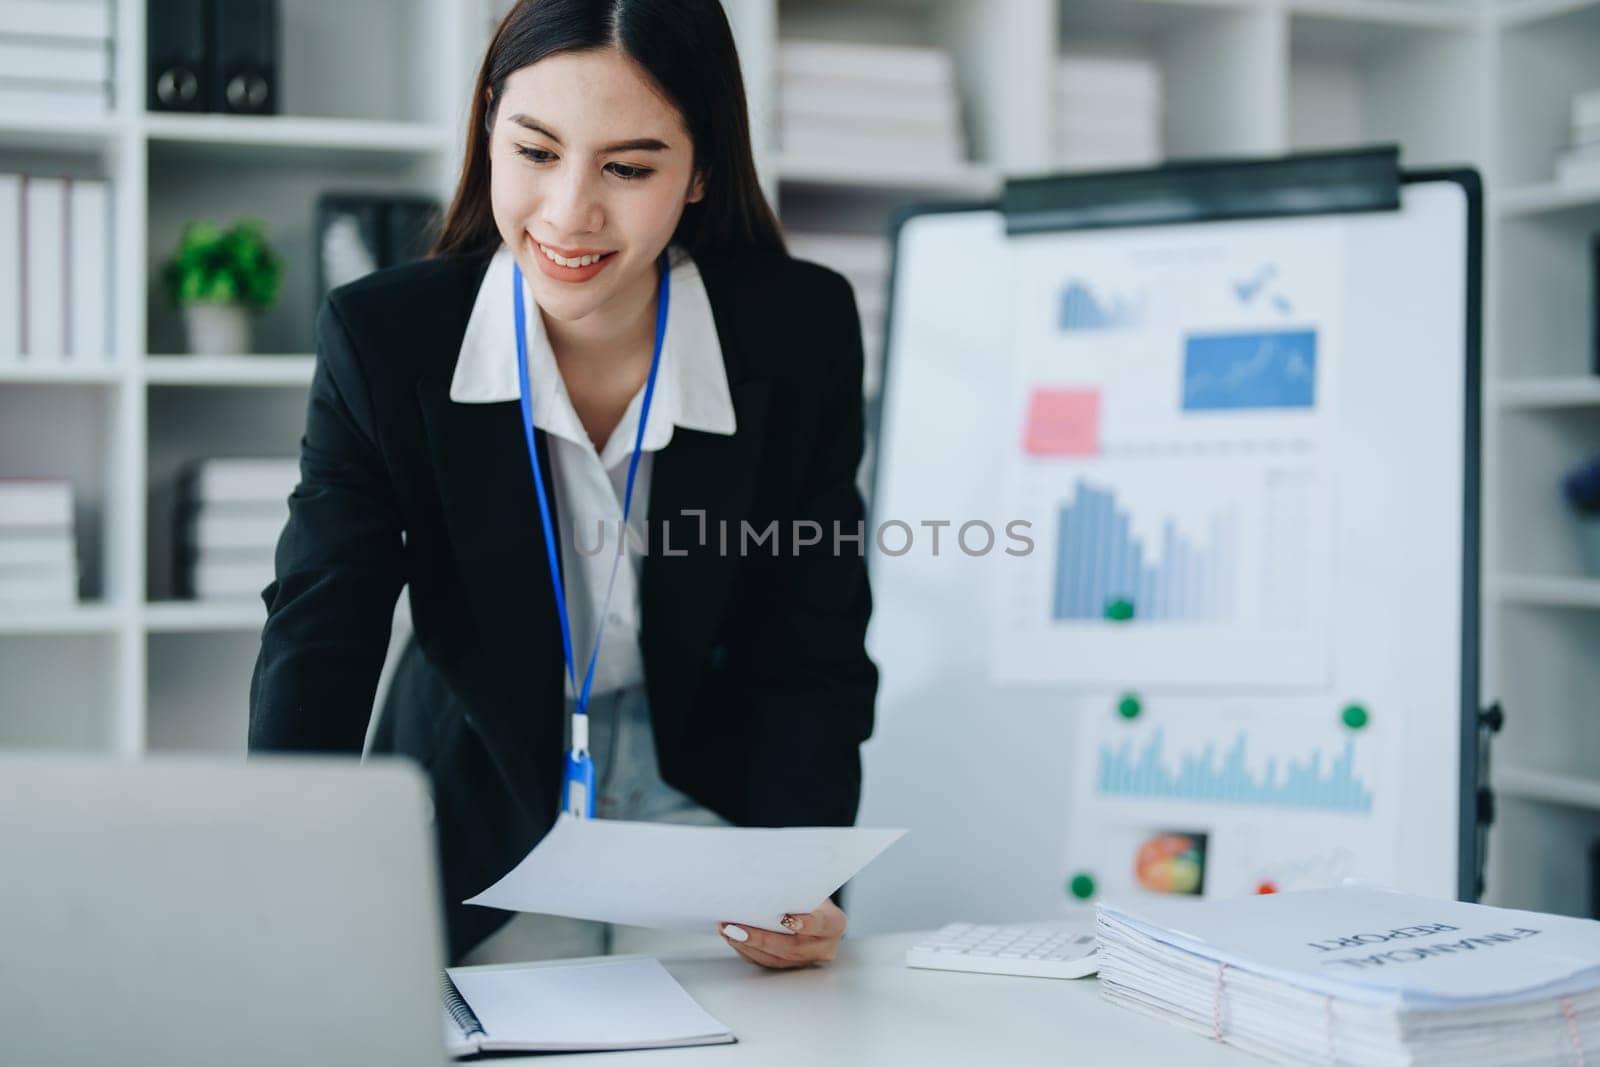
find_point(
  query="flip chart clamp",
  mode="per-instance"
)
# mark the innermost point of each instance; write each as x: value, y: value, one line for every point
x: 1322, y: 183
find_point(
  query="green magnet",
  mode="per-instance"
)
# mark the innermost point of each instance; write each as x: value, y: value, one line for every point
x: 1355, y: 716
x: 1129, y: 707
x: 1119, y: 610
x: 1082, y: 885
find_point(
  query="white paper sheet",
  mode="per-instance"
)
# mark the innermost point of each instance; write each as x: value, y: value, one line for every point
x: 674, y: 877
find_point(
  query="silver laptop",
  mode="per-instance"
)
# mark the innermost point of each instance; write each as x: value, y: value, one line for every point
x: 217, y: 911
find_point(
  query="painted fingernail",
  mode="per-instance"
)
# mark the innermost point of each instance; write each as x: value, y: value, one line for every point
x: 793, y: 923
x: 734, y: 933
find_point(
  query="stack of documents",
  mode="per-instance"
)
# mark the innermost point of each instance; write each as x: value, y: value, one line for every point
x: 55, y: 269
x: 864, y: 261
x: 55, y: 57
x: 866, y: 102
x: 38, y: 549
x: 1107, y: 113
x: 1361, y: 976
x: 1580, y: 165
x: 230, y: 513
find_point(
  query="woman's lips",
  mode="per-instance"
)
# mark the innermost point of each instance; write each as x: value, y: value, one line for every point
x: 552, y: 269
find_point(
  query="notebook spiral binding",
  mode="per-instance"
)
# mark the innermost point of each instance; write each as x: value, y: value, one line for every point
x: 456, y: 1005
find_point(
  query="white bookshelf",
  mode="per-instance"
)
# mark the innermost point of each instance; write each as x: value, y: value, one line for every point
x: 375, y: 97
x: 200, y: 617
x: 74, y: 133
x: 974, y: 179
x: 257, y: 370
x: 1548, y: 592
x: 311, y: 136
x: 74, y: 619
x: 1568, y: 790
x: 1546, y: 617
x: 1546, y: 198
x: 1574, y: 391
x: 86, y: 374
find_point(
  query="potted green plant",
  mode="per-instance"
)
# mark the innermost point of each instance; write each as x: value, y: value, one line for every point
x: 218, y: 278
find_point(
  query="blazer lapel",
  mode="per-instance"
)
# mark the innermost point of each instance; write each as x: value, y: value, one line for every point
x: 683, y: 596
x: 486, y: 486
x: 491, y: 514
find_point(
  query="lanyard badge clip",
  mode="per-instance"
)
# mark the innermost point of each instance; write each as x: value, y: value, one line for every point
x: 577, y: 792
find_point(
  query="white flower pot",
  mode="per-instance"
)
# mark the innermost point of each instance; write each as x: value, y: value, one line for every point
x: 218, y: 329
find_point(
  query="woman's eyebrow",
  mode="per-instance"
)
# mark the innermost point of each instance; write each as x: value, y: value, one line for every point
x: 638, y: 144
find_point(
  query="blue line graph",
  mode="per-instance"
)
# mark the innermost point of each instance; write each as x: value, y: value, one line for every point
x: 1303, y: 783
x: 1230, y: 372
x: 1081, y: 310
x: 1099, y: 561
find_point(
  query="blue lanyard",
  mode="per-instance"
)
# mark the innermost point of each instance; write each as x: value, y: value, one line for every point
x: 579, y: 778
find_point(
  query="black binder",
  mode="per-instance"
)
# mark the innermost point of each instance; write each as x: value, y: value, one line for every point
x: 244, y: 56
x: 357, y: 233
x: 412, y: 223
x: 176, y: 76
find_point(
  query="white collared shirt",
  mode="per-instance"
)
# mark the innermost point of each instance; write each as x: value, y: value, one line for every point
x: 691, y: 392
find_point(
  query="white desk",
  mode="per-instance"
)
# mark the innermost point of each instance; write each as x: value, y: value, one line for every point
x: 868, y: 1008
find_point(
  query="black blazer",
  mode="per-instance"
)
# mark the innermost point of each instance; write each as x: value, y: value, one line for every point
x: 760, y: 687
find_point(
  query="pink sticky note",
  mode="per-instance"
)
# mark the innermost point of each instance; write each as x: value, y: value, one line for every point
x: 1063, y: 422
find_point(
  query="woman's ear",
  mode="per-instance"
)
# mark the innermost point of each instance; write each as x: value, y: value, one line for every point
x: 697, y: 188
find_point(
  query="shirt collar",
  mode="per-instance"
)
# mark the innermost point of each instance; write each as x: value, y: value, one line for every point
x: 691, y: 386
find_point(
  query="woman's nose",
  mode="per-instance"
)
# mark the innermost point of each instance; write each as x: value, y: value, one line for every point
x: 571, y: 203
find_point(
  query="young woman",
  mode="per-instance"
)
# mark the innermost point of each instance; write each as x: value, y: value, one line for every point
x: 673, y: 366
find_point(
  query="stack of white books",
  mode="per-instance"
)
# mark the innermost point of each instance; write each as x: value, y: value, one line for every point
x: 1359, y: 975
x: 868, y: 102
x: 55, y: 270
x: 38, y: 548
x: 1107, y: 112
x: 864, y: 261
x: 55, y: 57
x: 230, y: 514
x: 1580, y: 165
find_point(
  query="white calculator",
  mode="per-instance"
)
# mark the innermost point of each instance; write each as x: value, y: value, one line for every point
x: 1033, y: 950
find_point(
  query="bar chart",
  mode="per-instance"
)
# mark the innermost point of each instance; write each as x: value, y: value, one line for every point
x: 1318, y: 780
x: 1184, y: 569
x: 1104, y: 570
x: 1082, y: 310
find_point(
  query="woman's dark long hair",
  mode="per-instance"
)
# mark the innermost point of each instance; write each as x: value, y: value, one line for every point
x: 687, y: 47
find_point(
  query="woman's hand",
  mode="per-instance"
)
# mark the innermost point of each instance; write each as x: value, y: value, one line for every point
x: 815, y: 939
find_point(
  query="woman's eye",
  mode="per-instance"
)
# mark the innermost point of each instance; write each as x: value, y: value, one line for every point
x: 628, y: 171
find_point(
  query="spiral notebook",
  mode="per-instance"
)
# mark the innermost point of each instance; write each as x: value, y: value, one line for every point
x: 588, y: 1005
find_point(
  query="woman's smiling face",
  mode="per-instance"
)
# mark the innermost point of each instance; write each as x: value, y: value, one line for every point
x: 587, y: 160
